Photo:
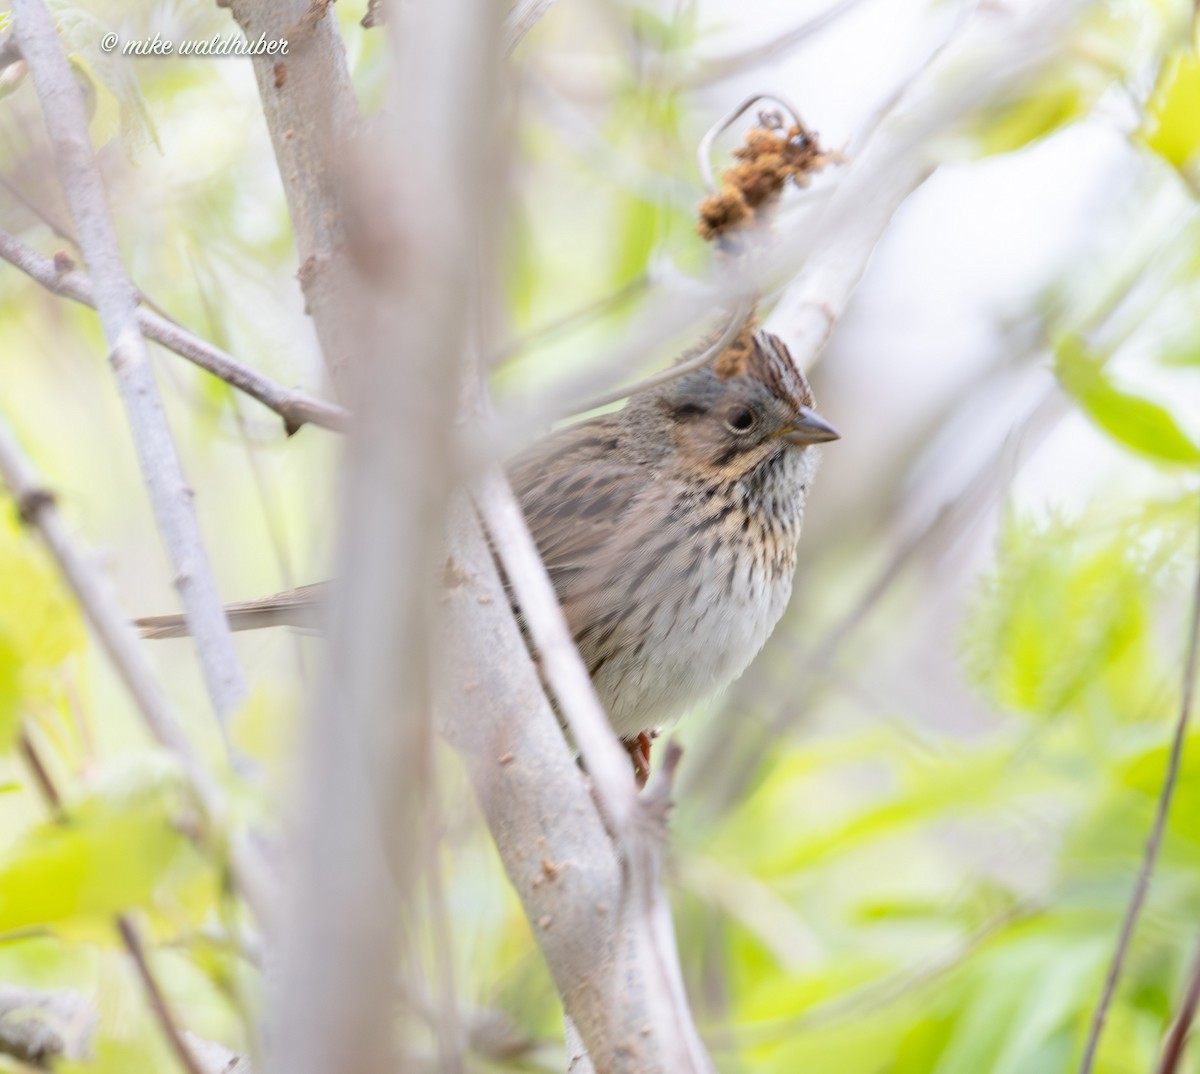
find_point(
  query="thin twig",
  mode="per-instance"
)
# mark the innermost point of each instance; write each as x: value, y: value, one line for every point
x: 64, y: 233
x: 521, y: 19
x: 562, y: 665
x: 737, y: 319
x: 1177, y: 1035
x: 158, y: 1003
x: 41, y: 775
x: 52, y: 222
x: 834, y: 245
x: 578, y: 1060
x: 667, y: 313
x: 52, y: 1044
x: 36, y: 507
x: 38, y: 1027
x: 172, y: 500
x: 581, y: 132
x: 112, y: 628
x: 10, y: 52
x: 215, y: 1058
x: 49, y: 1040
x: 297, y: 408
x: 1154, y: 843
x: 723, y: 67
x: 704, y: 149
x: 569, y: 321
x: 647, y: 913
x: 894, y: 161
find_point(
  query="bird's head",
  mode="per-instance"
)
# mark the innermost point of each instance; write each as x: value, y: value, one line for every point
x: 752, y: 404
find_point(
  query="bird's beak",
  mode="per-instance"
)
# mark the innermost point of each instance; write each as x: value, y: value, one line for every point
x: 810, y: 428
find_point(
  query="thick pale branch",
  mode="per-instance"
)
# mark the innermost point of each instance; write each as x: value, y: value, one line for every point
x: 116, y: 302
x: 297, y: 408
x: 546, y: 825
x: 414, y: 212
x: 598, y: 910
x: 637, y: 825
x: 312, y: 115
x: 596, y: 907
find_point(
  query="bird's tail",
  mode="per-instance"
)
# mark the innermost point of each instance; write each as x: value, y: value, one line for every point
x: 301, y: 608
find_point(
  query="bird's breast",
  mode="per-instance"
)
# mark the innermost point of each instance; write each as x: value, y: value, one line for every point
x: 684, y: 606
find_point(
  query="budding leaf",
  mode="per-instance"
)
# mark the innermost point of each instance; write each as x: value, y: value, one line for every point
x: 1135, y: 422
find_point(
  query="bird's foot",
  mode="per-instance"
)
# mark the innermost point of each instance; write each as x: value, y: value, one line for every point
x: 639, y: 752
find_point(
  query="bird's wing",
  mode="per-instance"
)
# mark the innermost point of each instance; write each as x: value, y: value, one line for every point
x: 575, y: 490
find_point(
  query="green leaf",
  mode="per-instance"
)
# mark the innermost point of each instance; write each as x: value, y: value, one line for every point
x: 1063, y: 625
x: 637, y: 236
x: 40, y: 627
x: 10, y: 695
x: 1172, y: 124
x: 1024, y: 993
x: 110, y: 855
x: 1044, y: 110
x: 109, y: 80
x: 674, y: 33
x: 1146, y: 772
x: 1181, y: 356
x: 1132, y: 420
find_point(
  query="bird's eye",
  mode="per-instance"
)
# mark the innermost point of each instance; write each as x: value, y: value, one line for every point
x: 740, y: 420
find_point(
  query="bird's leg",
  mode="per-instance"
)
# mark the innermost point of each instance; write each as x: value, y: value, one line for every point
x: 639, y: 752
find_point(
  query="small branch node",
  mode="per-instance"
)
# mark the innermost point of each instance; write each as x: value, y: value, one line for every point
x: 31, y: 503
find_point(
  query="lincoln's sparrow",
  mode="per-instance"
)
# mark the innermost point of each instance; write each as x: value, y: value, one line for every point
x: 669, y: 530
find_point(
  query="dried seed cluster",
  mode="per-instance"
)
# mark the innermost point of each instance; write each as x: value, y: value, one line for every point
x: 769, y: 159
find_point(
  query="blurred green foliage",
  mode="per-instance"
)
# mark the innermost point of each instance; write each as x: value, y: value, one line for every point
x: 883, y: 895
x: 1136, y: 422
x: 1172, y: 125
x: 40, y: 629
